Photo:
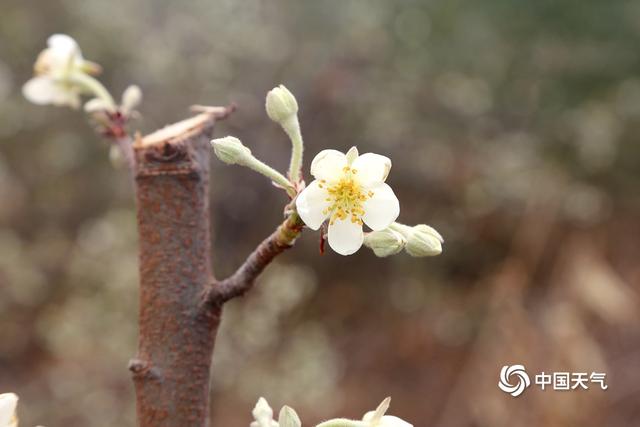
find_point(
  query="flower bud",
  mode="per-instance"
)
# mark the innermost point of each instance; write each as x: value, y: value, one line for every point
x: 263, y: 414
x: 281, y: 104
x: 423, y: 228
x: 288, y: 418
x: 230, y: 150
x: 385, y: 242
x: 424, y: 241
x: 131, y: 98
x: 95, y: 105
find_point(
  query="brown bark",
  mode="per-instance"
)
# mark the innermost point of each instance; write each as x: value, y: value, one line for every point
x: 180, y: 301
x: 175, y: 345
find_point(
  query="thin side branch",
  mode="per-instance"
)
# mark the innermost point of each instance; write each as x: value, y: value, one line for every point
x: 243, y: 279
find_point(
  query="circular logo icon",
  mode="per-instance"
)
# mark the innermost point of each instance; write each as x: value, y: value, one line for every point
x: 514, y: 380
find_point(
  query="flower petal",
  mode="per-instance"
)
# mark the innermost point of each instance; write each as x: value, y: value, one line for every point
x: 328, y: 165
x: 372, y: 168
x: 44, y: 90
x: 384, y: 421
x: 392, y: 421
x: 40, y: 90
x: 381, y: 410
x: 62, y: 48
x: 8, y: 403
x: 311, y: 204
x: 352, y: 154
x: 62, y: 43
x: 345, y: 237
x: 382, y: 208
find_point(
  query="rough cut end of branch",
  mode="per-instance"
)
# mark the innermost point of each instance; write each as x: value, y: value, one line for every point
x: 185, y: 128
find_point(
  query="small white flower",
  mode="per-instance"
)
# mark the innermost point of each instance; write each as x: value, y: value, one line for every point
x: 378, y: 418
x: 348, y: 190
x: 8, y: 404
x: 53, y: 69
x: 375, y: 418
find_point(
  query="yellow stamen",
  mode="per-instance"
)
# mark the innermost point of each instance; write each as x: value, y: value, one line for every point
x: 346, y: 197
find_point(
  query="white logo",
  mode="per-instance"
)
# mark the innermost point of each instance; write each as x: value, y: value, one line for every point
x: 518, y: 371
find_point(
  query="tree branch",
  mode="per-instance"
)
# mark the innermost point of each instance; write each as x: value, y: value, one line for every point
x: 243, y: 279
x: 171, y: 371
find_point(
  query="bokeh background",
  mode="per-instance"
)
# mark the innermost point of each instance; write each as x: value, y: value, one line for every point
x: 513, y: 127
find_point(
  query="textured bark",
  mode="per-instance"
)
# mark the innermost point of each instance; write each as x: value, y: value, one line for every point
x: 172, y: 368
x: 180, y: 300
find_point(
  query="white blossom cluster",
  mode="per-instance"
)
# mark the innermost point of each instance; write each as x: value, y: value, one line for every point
x: 62, y: 76
x: 263, y: 417
x: 348, y: 190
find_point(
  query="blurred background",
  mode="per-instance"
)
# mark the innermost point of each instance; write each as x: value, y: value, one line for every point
x: 512, y: 127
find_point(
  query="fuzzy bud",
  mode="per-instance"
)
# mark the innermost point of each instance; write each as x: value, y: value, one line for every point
x: 96, y: 105
x: 385, y: 242
x: 231, y: 151
x: 281, y: 105
x: 288, y: 418
x: 131, y: 98
x: 424, y: 241
x: 263, y: 414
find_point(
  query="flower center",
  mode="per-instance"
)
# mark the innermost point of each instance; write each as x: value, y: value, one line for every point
x: 346, y: 197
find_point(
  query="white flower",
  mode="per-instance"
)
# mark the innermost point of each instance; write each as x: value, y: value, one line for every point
x: 8, y: 404
x: 375, y: 418
x: 348, y: 190
x: 378, y: 418
x: 54, y: 68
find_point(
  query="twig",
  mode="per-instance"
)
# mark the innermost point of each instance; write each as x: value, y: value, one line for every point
x: 243, y: 279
